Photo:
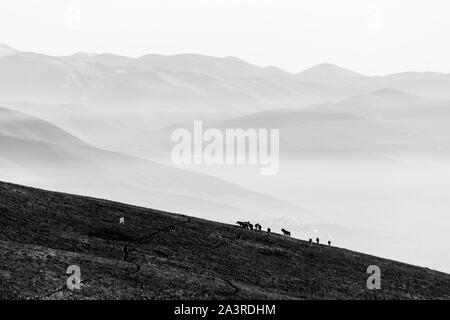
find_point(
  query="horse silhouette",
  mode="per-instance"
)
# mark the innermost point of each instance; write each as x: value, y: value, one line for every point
x: 242, y: 224
x: 286, y: 233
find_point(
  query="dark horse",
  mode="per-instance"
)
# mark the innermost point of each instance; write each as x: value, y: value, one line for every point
x: 242, y: 224
x: 286, y: 233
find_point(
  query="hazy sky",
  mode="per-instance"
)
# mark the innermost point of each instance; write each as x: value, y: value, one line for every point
x: 372, y: 37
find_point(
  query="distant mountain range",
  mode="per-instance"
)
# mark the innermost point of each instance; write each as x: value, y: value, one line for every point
x: 381, y: 124
x: 131, y: 97
x: 191, y: 85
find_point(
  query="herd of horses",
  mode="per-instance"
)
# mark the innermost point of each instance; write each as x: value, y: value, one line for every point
x: 249, y: 226
x: 245, y: 225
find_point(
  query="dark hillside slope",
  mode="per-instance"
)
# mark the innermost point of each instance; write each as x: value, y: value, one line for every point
x: 159, y: 255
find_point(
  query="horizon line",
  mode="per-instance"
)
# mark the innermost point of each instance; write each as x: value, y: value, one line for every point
x: 333, y: 65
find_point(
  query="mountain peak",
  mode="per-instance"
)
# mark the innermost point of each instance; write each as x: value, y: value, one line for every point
x: 83, y: 55
x: 6, y: 50
x: 328, y: 69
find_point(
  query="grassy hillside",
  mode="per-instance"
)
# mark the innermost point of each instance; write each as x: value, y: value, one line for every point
x: 159, y: 255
